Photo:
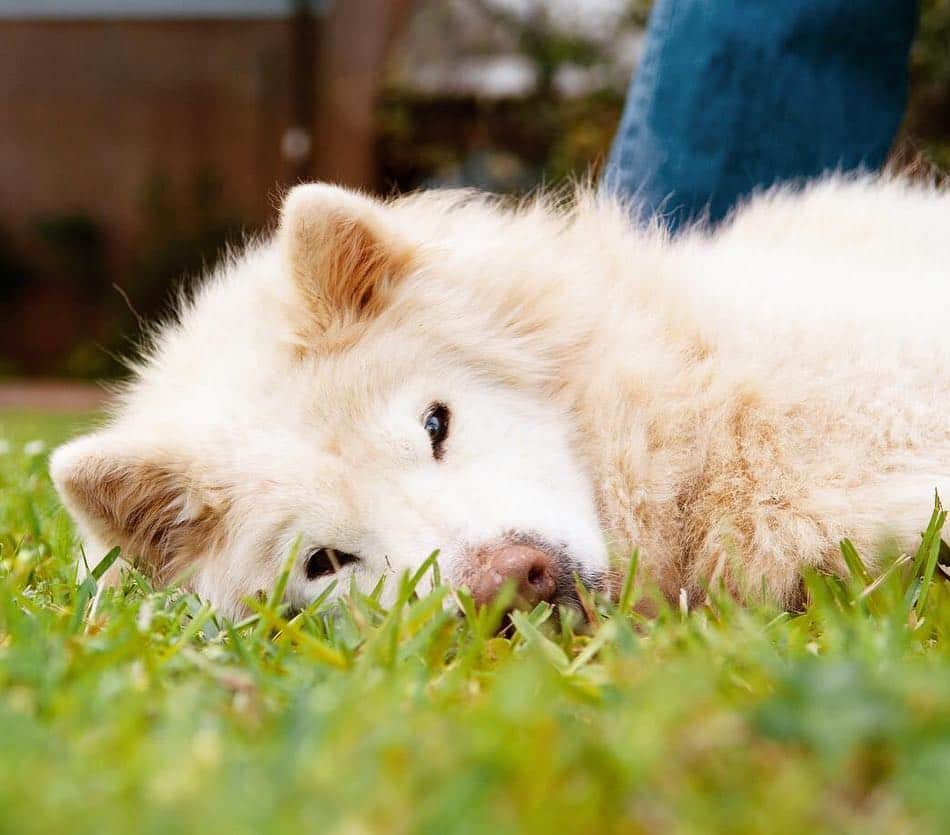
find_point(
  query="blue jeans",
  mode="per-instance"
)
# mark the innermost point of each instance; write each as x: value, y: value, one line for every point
x: 735, y: 95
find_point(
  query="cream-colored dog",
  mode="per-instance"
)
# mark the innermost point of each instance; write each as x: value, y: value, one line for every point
x: 531, y: 390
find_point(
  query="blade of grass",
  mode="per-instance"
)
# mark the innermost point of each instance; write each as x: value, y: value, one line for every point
x: 90, y: 585
x: 603, y: 636
x: 533, y: 637
x: 423, y: 570
x: 315, y: 649
x: 854, y: 562
x: 626, y: 591
x: 930, y: 547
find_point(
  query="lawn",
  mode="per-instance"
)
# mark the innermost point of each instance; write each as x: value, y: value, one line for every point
x: 155, y: 716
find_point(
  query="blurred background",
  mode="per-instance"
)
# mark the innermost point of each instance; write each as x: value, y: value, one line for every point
x: 139, y: 138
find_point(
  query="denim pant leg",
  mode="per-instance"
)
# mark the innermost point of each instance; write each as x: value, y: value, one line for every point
x: 735, y: 95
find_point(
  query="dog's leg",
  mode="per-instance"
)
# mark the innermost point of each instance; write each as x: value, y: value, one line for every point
x: 757, y: 541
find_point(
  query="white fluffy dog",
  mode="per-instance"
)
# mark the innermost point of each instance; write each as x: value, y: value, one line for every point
x: 532, y: 389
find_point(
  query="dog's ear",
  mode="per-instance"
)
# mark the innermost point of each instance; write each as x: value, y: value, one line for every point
x: 141, y: 499
x: 342, y: 252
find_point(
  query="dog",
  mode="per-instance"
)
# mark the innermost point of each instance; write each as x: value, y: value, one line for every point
x: 534, y: 391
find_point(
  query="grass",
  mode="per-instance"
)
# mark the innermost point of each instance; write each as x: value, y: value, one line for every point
x: 156, y: 716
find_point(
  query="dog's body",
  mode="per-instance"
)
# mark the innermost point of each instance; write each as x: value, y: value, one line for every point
x: 441, y: 373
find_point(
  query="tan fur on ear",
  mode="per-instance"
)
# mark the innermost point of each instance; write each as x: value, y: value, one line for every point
x: 146, y: 505
x: 343, y: 256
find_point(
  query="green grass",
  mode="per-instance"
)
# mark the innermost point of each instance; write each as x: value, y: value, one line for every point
x: 154, y: 716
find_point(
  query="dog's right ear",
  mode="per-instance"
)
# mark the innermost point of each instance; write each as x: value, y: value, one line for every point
x: 342, y: 252
x: 145, y: 500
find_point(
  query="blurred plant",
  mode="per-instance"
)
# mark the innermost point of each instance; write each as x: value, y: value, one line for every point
x: 184, y: 237
x: 580, y: 55
x: 74, y: 312
x: 16, y: 274
x: 540, y: 38
x: 926, y: 134
x: 503, y: 145
x: 557, y: 34
x: 932, y: 50
x: 54, y: 298
x: 77, y: 252
x: 15, y: 271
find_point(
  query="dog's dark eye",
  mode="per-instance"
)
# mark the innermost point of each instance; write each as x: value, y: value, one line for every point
x: 436, y: 423
x: 325, y: 561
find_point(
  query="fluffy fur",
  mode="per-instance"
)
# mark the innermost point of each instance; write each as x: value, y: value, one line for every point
x: 732, y: 403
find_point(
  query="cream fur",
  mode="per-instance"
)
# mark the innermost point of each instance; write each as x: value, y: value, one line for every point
x: 731, y: 403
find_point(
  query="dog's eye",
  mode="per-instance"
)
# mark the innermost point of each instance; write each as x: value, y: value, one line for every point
x: 436, y: 423
x: 325, y: 561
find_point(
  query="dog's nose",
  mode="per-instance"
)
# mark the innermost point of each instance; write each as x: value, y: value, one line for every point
x: 532, y: 570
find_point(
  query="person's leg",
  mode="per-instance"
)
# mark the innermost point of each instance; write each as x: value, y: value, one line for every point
x: 735, y: 95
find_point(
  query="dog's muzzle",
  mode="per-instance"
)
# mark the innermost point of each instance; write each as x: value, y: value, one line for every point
x: 532, y: 571
x: 538, y: 572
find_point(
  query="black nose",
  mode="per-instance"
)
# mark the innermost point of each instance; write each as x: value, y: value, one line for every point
x: 533, y: 571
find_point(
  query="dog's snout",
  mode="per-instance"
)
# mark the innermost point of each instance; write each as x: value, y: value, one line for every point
x: 533, y: 572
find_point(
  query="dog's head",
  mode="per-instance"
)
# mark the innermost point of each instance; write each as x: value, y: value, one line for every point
x: 336, y: 391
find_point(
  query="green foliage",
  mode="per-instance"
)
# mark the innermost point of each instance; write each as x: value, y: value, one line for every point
x: 926, y: 133
x: 154, y: 715
x: 516, y: 144
x: 15, y: 271
x: 187, y: 231
x: 79, y: 311
x: 76, y: 247
x: 546, y: 45
x: 932, y: 49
